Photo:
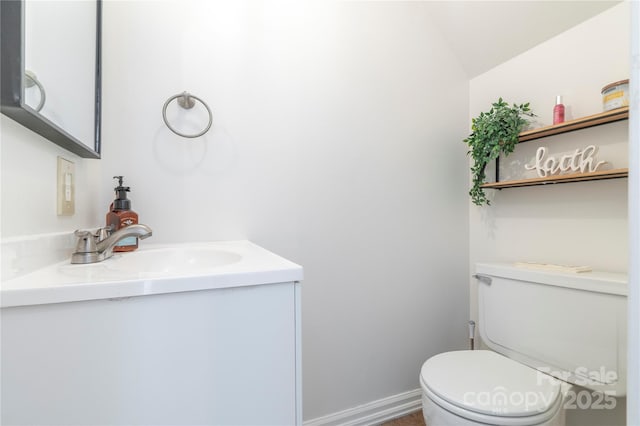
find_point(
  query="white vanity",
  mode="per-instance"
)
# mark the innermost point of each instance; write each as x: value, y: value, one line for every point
x: 205, y: 333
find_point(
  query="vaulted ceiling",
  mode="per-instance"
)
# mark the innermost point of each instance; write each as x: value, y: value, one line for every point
x: 484, y: 34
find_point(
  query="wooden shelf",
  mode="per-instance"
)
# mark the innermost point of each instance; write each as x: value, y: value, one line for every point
x: 573, y: 177
x: 568, y: 126
x: 580, y: 123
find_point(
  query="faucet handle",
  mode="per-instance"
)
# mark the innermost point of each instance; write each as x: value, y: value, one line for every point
x: 86, y: 241
x: 103, y: 233
x: 82, y: 233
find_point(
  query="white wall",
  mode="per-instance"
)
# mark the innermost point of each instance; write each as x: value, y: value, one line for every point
x: 29, y: 170
x: 633, y: 382
x: 336, y: 143
x: 578, y: 223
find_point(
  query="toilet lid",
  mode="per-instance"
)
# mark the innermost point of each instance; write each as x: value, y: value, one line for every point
x: 488, y: 383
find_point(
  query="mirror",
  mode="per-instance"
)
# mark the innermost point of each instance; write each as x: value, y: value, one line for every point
x: 50, y: 70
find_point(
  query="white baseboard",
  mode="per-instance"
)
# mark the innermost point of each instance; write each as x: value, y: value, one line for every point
x: 373, y: 413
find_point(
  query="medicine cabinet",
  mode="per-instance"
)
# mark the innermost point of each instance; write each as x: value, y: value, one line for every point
x: 50, y: 68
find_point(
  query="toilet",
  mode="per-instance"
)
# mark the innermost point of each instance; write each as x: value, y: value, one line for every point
x: 556, y: 340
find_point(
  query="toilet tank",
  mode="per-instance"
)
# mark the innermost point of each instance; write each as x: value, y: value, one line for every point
x: 572, y: 326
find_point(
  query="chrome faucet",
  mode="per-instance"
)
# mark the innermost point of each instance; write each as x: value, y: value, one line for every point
x: 97, y: 246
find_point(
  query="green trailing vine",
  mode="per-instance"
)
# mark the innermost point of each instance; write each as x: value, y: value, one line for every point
x: 493, y: 133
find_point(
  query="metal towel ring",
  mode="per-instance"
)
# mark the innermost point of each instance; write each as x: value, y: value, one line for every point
x: 186, y: 101
x: 30, y: 81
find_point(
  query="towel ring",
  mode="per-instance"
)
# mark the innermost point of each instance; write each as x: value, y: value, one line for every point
x: 186, y: 101
x: 30, y: 81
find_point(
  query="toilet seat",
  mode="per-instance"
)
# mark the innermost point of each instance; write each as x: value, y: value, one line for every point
x: 486, y: 387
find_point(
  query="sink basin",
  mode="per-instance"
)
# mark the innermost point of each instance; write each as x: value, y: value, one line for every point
x: 171, y: 260
x: 152, y: 269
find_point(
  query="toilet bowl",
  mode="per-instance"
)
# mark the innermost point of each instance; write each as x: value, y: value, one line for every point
x: 481, y: 387
x: 546, y: 332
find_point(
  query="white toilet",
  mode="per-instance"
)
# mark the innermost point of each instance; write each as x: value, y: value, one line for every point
x: 538, y: 324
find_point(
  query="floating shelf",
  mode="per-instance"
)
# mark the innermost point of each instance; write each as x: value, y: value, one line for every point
x: 566, y: 127
x: 573, y: 177
x: 577, y: 124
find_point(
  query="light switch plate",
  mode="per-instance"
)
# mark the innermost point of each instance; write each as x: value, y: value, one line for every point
x: 66, y: 187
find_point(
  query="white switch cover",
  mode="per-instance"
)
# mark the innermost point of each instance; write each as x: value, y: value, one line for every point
x: 66, y: 187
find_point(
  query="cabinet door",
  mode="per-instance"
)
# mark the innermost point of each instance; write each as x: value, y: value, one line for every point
x: 213, y: 357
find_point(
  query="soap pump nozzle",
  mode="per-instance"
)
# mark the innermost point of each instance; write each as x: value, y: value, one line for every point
x: 121, y: 202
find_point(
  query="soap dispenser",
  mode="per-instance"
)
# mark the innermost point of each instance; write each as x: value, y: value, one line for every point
x: 120, y: 215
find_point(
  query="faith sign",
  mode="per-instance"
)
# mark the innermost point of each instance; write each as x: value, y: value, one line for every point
x: 581, y: 160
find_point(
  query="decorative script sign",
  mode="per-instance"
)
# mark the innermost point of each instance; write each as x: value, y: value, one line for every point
x: 580, y: 161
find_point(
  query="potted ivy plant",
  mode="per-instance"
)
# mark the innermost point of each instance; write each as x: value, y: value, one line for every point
x: 494, y: 132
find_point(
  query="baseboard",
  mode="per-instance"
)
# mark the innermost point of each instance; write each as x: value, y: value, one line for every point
x: 373, y: 413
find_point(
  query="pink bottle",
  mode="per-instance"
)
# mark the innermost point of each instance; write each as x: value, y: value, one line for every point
x: 558, y: 111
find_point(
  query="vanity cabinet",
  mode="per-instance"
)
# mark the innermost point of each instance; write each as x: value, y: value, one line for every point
x: 224, y: 356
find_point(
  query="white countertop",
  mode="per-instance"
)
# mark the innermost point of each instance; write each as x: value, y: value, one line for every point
x: 63, y: 282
